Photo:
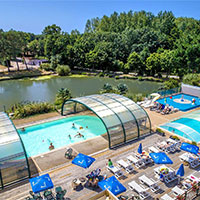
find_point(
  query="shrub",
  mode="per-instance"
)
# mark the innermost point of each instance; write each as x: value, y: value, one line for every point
x: 101, y: 74
x: 123, y: 89
x: 84, y: 73
x: 139, y: 78
x: 26, y: 109
x: 116, y: 77
x: 135, y: 97
x: 170, y: 84
x: 62, y: 95
x: 175, y: 137
x: 194, y: 143
x: 46, y: 66
x: 192, y: 79
x: 159, y: 130
x: 131, y: 77
x: 63, y: 70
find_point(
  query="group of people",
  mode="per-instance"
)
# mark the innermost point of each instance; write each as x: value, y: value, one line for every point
x: 79, y: 135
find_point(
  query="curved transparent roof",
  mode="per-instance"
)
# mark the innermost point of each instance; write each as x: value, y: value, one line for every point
x: 117, y: 113
x: 12, y: 153
x: 187, y: 126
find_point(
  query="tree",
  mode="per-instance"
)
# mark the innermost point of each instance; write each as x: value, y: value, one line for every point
x: 153, y: 63
x: 171, y: 83
x: 123, y: 89
x: 108, y: 88
x: 135, y: 63
x: 63, y: 70
x: 192, y: 79
x: 62, y: 95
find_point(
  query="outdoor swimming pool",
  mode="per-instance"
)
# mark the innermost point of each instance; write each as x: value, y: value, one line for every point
x: 177, y: 102
x: 188, y: 126
x: 37, y: 138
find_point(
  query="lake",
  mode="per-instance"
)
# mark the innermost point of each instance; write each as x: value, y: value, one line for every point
x: 15, y: 91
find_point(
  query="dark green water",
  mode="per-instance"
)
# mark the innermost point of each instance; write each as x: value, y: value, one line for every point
x: 20, y: 90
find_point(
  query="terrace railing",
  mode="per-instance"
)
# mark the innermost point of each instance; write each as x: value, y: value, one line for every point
x: 192, y: 193
x: 165, y: 93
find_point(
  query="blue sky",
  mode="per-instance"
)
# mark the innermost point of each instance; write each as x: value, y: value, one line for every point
x: 33, y: 16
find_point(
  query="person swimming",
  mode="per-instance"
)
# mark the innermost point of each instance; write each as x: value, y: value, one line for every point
x: 51, y: 147
x: 86, y: 127
x: 73, y: 125
x: 79, y: 135
x: 23, y: 129
x: 69, y: 136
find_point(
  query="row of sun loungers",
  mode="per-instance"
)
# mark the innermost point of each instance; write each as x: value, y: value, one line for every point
x: 141, y: 190
x: 163, y: 173
x: 191, y: 159
x: 169, y: 146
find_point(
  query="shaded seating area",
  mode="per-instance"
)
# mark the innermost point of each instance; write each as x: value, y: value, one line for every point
x: 44, y: 184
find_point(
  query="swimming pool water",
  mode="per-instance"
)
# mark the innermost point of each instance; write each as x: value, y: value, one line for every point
x: 37, y: 138
x: 181, y: 106
x: 188, y: 126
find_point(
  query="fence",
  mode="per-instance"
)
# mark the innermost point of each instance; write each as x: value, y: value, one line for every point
x: 164, y: 93
x: 190, y: 89
x: 192, y: 193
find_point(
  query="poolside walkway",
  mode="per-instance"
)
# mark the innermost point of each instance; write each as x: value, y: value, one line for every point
x: 63, y: 175
x: 158, y: 119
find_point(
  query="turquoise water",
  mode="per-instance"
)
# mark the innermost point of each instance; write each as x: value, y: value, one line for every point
x: 37, y: 138
x: 186, y: 127
x: 181, y: 106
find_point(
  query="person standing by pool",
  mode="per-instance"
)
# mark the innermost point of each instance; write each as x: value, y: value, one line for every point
x: 110, y: 164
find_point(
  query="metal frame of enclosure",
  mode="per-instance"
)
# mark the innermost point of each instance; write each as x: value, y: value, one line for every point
x: 123, y: 119
x: 14, y: 164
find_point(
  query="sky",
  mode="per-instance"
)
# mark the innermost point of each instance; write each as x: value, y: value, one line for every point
x: 33, y: 15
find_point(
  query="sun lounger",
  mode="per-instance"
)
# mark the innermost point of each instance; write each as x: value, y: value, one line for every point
x: 128, y: 167
x: 116, y: 171
x: 150, y: 182
x: 191, y: 159
x: 137, y: 162
x: 167, y: 197
x: 193, y: 178
x: 178, y: 191
x: 153, y: 149
x: 139, y: 189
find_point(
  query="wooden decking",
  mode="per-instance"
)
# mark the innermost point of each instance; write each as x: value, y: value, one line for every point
x: 64, y: 175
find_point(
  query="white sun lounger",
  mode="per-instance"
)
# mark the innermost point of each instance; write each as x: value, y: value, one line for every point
x: 137, y: 162
x: 116, y: 171
x: 128, y: 167
x: 150, y: 182
x: 177, y: 191
x: 193, y: 178
x: 154, y: 149
x: 139, y: 189
x: 167, y: 197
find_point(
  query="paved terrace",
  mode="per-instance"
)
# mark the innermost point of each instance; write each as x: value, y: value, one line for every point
x: 63, y: 175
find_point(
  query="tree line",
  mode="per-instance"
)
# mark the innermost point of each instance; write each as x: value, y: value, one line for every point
x: 130, y: 42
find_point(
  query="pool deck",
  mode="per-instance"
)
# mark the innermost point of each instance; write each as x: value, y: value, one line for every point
x: 95, y: 145
x: 158, y: 119
x: 63, y: 172
x: 63, y: 175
